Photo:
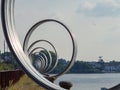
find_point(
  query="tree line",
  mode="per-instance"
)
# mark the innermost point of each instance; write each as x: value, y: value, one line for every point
x: 8, y: 62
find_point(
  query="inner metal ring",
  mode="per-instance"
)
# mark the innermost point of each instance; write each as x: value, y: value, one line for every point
x: 27, y: 50
x: 46, y: 58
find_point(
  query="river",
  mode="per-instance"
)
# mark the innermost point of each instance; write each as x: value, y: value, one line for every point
x: 91, y: 81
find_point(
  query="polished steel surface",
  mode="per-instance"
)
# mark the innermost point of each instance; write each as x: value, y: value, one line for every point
x: 22, y: 54
x: 46, y: 58
x: 70, y: 34
x: 50, y: 61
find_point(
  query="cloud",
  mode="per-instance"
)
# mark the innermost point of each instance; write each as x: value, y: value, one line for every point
x: 100, y: 9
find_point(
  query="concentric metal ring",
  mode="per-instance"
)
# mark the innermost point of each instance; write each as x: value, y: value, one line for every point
x: 27, y: 50
x: 74, y: 45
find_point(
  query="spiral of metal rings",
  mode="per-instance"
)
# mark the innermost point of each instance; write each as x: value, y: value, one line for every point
x: 46, y: 54
x: 40, y: 68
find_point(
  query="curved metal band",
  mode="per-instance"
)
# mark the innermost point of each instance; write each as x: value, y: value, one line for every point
x: 74, y: 53
x: 45, y: 57
x: 13, y: 42
x: 42, y: 63
x: 38, y: 41
x: 45, y: 60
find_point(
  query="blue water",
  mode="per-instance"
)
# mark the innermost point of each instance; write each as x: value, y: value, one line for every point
x: 91, y: 81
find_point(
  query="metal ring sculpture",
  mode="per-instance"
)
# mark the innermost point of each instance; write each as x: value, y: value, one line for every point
x: 73, y: 42
x: 47, y: 66
x: 43, y: 55
x: 7, y: 17
x: 39, y: 63
x: 50, y: 61
x: 45, y: 59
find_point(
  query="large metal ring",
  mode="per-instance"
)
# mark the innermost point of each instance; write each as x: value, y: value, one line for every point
x: 71, y: 35
x: 7, y: 11
x: 7, y: 17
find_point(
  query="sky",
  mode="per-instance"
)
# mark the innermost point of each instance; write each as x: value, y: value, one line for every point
x: 95, y: 23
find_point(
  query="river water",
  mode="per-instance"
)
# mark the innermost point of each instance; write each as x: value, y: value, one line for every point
x: 91, y: 81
